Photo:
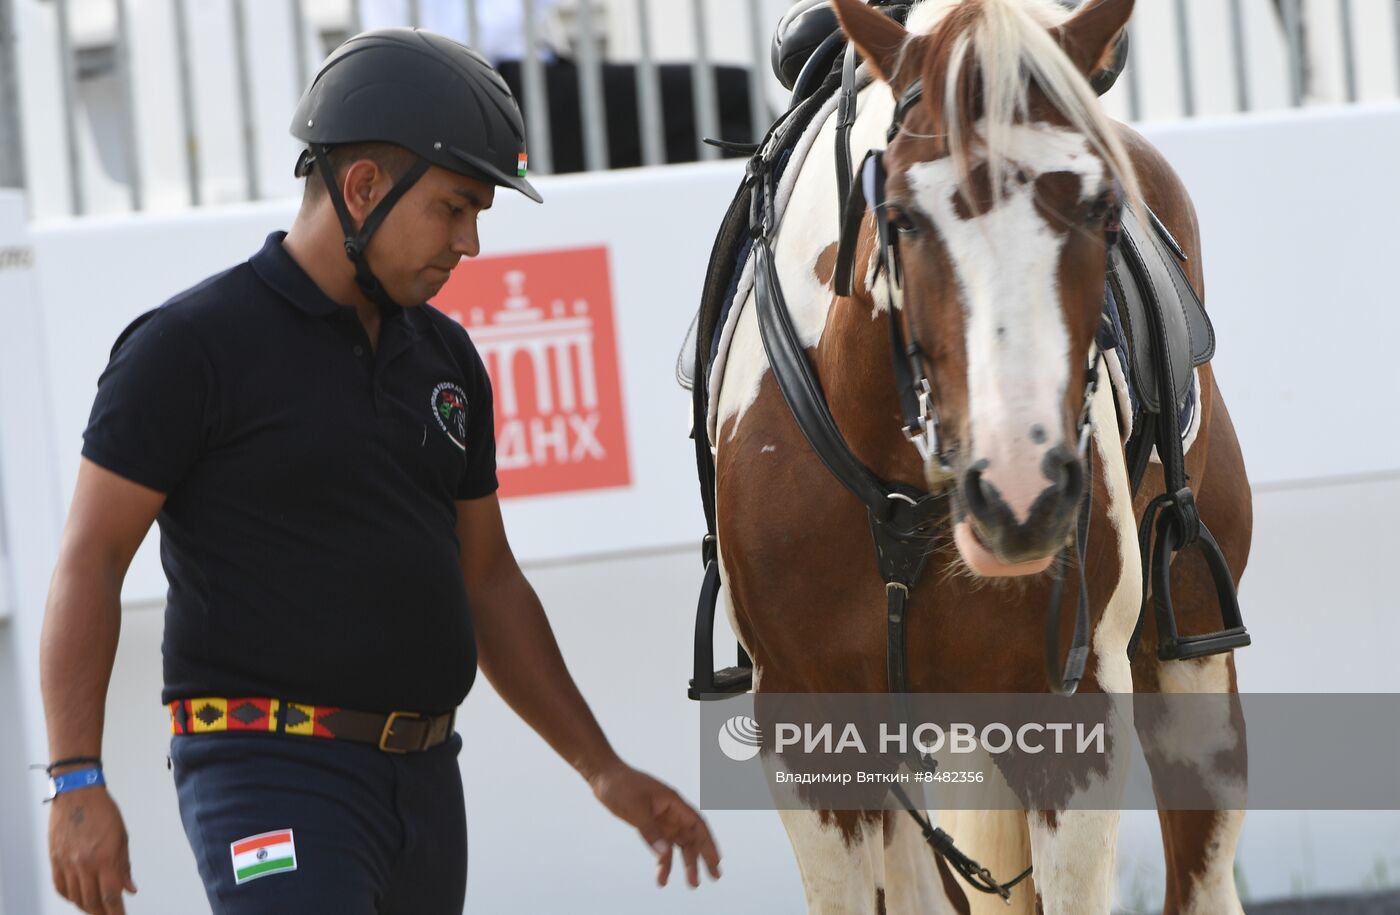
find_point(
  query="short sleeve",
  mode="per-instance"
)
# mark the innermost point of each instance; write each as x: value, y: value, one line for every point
x: 153, y: 415
x: 479, y: 480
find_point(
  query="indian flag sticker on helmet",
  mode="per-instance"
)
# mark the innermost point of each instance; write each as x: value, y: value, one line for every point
x: 522, y: 165
x: 262, y: 855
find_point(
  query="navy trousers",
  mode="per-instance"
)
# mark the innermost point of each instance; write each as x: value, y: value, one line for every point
x: 371, y: 833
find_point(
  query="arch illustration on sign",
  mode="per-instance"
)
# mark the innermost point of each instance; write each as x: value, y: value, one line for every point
x: 543, y: 323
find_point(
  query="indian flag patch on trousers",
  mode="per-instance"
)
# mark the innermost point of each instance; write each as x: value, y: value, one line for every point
x: 263, y: 854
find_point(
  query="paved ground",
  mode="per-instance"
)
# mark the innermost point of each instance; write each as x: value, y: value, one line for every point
x: 1385, y: 903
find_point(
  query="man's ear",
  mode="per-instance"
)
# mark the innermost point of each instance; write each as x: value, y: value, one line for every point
x: 1091, y: 35
x: 363, y: 186
x: 877, y: 37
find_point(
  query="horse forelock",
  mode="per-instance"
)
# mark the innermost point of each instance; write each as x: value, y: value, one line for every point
x: 980, y: 60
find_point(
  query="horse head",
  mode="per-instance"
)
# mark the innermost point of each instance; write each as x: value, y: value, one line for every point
x: 995, y: 205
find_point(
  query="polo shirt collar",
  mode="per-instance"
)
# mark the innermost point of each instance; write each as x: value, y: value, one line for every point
x: 277, y: 268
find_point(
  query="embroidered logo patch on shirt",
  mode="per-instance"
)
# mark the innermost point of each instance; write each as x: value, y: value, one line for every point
x: 263, y: 854
x: 450, y: 407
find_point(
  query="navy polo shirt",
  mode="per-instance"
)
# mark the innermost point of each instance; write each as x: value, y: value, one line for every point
x: 308, y: 533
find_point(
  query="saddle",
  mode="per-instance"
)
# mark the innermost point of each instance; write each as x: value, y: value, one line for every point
x: 1164, y: 335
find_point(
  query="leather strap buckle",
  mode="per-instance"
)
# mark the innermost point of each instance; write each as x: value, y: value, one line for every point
x: 388, y: 732
x: 1185, y: 515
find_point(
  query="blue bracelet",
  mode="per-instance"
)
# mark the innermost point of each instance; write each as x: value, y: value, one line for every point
x: 74, y: 781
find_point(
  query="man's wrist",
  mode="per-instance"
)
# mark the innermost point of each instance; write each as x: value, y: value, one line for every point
x: 77, y: 780
x: 72, y: 764
x: 590, y: 767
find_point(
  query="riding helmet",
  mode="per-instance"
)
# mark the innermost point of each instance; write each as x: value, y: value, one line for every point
x: 424, y: 92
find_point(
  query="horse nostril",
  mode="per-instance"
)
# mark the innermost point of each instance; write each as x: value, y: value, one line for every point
x: 1065, y: 473
x: 974, y: 491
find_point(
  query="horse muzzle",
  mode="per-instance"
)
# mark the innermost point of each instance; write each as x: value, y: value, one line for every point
x: 994, y: 541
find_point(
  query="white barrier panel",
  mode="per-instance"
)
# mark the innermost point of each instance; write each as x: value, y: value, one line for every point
x: 19, y: 315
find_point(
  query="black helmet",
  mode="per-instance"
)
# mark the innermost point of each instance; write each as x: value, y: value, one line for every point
x: 424, y: 92
x: 436, y: 98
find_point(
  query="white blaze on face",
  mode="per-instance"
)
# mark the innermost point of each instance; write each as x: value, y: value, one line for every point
x: 1007, y: 264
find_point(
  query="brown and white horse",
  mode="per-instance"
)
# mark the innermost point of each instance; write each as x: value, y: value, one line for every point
x: 1000, y: 184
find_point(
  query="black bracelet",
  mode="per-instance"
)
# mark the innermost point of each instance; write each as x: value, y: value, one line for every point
x: 73, y: 761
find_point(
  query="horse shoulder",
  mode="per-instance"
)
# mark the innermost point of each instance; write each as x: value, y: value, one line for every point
x: 1166, y: 194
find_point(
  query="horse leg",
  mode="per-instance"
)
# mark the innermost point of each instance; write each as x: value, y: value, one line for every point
x: 840, y: 856
x: 917, y: 882
x: 1074, y: 854
x: 1200, y: 845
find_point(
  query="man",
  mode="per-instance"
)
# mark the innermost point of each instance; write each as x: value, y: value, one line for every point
x: 316, y: 445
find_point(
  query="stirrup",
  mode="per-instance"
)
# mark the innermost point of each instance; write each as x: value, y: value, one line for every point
x: 723, y: 683
x: 709, y: 684
x: 1170, y: 645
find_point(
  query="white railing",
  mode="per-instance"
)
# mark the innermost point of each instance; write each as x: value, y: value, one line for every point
x: 118, y: 105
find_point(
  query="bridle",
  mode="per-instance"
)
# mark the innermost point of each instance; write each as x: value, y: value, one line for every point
x: 918, y: 405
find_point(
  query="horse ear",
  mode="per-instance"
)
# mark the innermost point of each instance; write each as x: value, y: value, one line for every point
x: 1091, y: 35
x: 876, y: 36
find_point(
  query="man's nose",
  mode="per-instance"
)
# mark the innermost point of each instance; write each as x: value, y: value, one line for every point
x: 467, y: 241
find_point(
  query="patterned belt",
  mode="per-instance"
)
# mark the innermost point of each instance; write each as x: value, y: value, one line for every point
x: 397, y: 732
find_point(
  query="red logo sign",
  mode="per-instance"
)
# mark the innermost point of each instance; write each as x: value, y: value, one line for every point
x: 543, y: 324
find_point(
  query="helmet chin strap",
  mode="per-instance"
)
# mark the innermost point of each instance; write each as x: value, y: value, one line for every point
x: 357, y: 242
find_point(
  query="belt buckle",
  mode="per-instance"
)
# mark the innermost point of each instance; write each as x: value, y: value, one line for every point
x: 389, y: 730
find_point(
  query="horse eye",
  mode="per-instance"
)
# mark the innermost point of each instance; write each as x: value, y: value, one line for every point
x: 900, y: 221
x: 1101, y: 209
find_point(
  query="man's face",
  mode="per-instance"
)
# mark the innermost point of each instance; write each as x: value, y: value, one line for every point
x: 427, y: 232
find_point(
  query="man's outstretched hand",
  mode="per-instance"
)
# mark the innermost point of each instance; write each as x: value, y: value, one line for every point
x: 88, y: 851
x: 663, y: 818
